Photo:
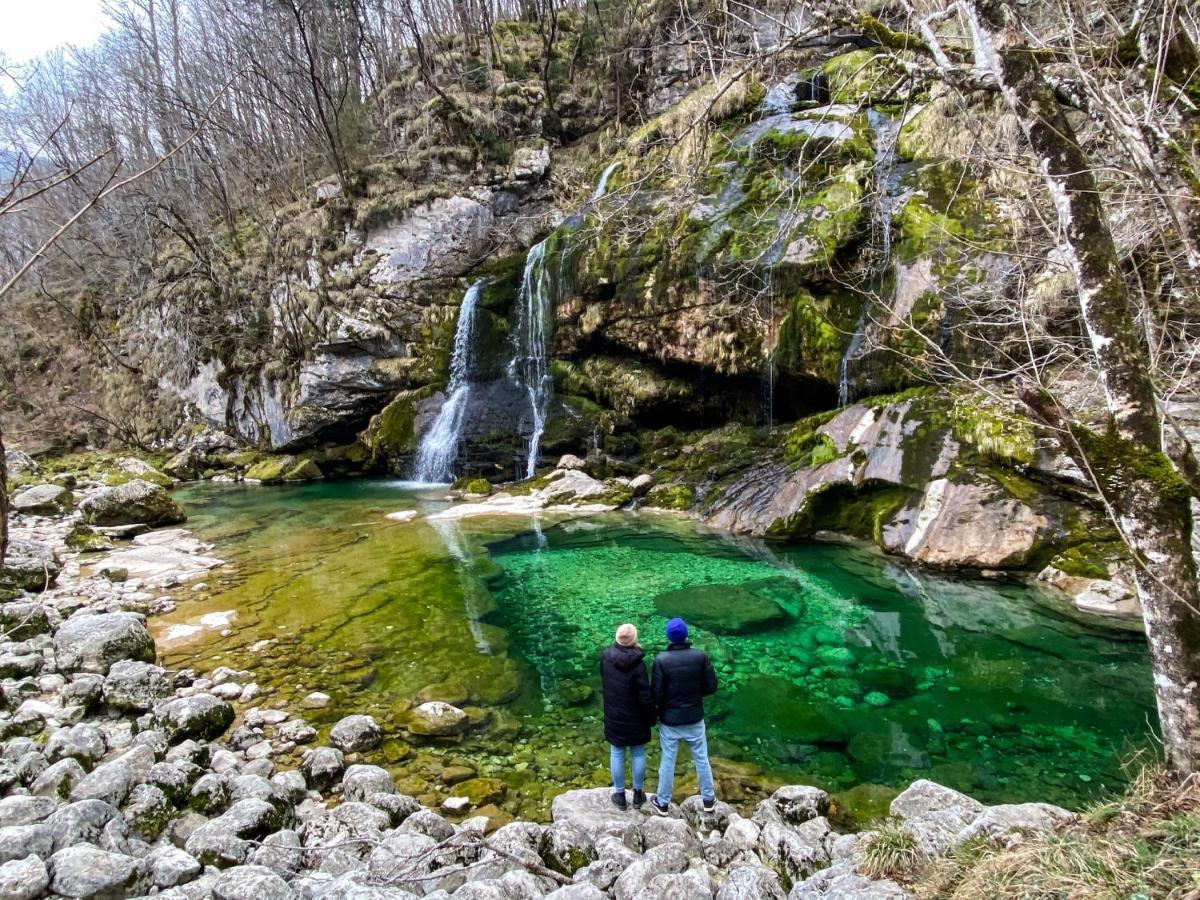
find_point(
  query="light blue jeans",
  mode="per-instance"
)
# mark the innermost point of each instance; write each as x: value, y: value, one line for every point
x: 669, y: 737
x: 616, y: 764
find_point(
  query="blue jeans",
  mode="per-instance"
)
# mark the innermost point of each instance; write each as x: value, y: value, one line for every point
x: 616, y: 764
x: 696, y: 739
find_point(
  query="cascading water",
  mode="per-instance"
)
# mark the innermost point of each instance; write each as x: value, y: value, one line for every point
x: 439, y: 445
x: 883, y: 174
x: 602, y: 184
x: 530, y: 365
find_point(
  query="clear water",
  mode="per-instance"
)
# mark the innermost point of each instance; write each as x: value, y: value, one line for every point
x: 861, y: 676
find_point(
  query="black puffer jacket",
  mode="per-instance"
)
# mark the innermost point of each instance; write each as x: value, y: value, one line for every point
x: 628, y: 706
x: 682, y: 677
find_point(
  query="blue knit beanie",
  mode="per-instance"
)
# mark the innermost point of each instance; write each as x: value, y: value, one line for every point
x: 677, y: 631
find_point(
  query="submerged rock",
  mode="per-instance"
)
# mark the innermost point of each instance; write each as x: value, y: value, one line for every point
x: 437, y: 719
x: 721, y: 608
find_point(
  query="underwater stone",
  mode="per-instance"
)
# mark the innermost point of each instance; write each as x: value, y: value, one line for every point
x: 437, y: 719
x: 721, y: 608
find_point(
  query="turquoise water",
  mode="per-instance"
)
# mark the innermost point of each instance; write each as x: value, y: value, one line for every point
x: 838, y: 666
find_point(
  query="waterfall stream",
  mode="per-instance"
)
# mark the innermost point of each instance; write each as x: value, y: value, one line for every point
x: 530, y: 366
x: 439, y: 445
x: 602, y: 184
x: 883, y: 175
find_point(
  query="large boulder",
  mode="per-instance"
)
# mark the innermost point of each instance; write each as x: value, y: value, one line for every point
x: 355, y: 734
x: 132, y: 503
x: 93, y: 642
x: 1015, y: 820
x: 722, y: 608
x: 228, y: 839
x: 28, y: 566
x: 934, y: 814
x: 135, y: 685
x: 437, y: 719
x: 201, y: 716
x: 112, y: 781
x: 86, y: 871
x: 592, y: 811
x: 42, y: 500
x: 251, y: 883
x: 793, y: 804
x: 23, y: 879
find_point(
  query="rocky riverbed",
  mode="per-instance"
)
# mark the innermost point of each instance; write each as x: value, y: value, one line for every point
x: 122, y: 778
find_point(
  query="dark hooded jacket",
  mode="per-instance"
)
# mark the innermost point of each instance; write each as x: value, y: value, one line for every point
x: 682, y: 678
x: 628, y: 705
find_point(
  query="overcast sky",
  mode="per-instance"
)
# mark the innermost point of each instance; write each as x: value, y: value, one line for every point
x: 29, y: 28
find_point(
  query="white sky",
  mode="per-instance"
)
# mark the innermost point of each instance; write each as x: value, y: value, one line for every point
x: 29, y: 28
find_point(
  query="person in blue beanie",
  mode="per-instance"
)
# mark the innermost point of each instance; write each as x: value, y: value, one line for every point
x: 680, y: 680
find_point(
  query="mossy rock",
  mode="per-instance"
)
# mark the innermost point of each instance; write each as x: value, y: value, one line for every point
x: 279, y: 469
x: 721, y: 608
x: 392, y: 431
x: 856, y: 77
x: 671, y: 496
x: 473, y: 485
x: 481, y: 791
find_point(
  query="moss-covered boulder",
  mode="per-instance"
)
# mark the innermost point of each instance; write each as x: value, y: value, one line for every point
x: 42, y: 500
x: 281, y: 469
x: 131, y: 503
x: 393, y: 431
x: 481, y: 791
x: 86, y: 539
x: 722, y: 608
x: 28, y: 566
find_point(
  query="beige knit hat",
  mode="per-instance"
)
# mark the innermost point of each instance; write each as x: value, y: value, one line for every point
x: 627, y: 635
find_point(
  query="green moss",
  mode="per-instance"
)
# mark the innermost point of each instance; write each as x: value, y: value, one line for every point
x: 473, y: 485
x: 1086, y: 560
x: 860, y: 513
x: 854, y: 77
x: 814, y: 333
x: 994, y: 432
x: 278, y: 469
x: 671, y: 496
x: 393, y: 430
x: 804, y: 446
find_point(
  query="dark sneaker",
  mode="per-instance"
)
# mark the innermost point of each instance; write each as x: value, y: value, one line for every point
x: 710, y: 805
x: 619, y: 801
x: 639, y: 798
x: 658, y: 807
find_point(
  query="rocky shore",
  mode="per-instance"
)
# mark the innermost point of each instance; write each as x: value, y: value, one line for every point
x: 122, y: 778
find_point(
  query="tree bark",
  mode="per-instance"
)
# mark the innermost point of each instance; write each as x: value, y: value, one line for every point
x: 3, y: 503
x: 1148, y: 498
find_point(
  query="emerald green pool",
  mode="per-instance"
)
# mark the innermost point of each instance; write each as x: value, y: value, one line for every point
x: 838, y: 666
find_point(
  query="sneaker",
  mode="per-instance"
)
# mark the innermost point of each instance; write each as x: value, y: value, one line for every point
x: 657, y: 806
x: 639, y: 798
x: 618, y: 800
x: 710, y: 805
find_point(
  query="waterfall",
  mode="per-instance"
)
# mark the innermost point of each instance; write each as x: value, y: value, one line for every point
x: 439, y: 445
x: 883, y: 174
x: 602, y: 184
x: 530, y: 365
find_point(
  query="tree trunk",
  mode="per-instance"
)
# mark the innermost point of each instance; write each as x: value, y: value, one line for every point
x: 3, y: 503
x: 1148, y: 498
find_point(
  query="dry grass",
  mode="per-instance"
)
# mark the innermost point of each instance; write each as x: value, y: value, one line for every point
x: 890, y: 852
x: 1145, y: 844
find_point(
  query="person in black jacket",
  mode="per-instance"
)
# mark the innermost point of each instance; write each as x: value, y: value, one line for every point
x: 628, y: 712
x: 682, y: 677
